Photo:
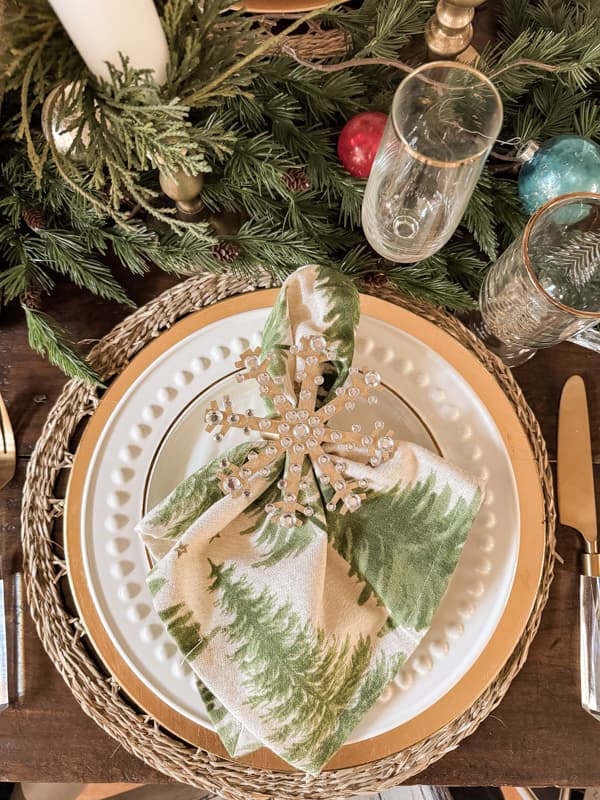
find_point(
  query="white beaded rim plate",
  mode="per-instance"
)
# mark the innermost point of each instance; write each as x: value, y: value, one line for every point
x: 148, y: 433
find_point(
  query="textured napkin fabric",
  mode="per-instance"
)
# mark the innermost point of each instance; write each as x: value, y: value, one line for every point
x: 294, y: 634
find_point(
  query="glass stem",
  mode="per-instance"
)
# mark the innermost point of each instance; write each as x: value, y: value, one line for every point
x: 511, y: 354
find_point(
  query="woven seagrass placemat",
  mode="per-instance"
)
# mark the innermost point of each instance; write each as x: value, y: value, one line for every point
x: 62, y: 632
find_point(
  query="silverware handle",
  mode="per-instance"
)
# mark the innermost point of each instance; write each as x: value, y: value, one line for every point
x: 589, y: 643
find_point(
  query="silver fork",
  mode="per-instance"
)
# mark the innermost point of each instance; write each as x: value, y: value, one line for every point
x: 8, y: 463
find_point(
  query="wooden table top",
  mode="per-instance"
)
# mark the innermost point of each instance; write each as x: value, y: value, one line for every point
x: 539, y: 735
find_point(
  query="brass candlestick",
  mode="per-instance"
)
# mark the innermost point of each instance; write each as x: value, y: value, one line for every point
x: 185, y: 191
x: 449, y: 31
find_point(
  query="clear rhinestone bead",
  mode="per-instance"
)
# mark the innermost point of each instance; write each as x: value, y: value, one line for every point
x: 295, y: 468
x: 213, y: 417
x: 283, y: 428
x: 298, y: 448
x: 318, y: 431
x: 270, y: 450
x: 336, y: 436
x: 305, y: 394
x: 224, y: 463
x: 245, y: 472
x: 286, y: 441
x: 356, y: 429
x: 288, y: 520
x: 308, y: 511
x: 269, y: 508
x: 312, y: 361
x: 352, y: 502
x: 231, y: 483
x: 318, y: 380
x: 340, y: 467
x: 339, y: 485
x: 353, y: 391
x: 218, y: 437
x: 251, y: 362
x: 252, y: 456
x: 279, y: 399
x: 318, y: 342
x: 263, y: 377
x: 363, y: 483
x: 303, y: 414
x: 325, y: 479
x: 291, y: 416
x: 289, y: 498
x: 349, y: 405
x: 339, y: 391
x: 330, y: 506
x: 314, y: 420
x: 386, y: 443
x: 330, y: 408
x: 373, y: 400
x: 303, y: 485
x: 324, y: 459
x: 311, y: 443
x: 301, y: 430
x: 367, y: 441
x: 380, y: 424
x: 372, y: 378
x: 281, y: 484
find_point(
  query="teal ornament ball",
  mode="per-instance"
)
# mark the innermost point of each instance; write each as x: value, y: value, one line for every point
x: 560, y: 166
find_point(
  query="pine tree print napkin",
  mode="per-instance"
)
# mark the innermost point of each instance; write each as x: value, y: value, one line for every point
x: 294, y: 633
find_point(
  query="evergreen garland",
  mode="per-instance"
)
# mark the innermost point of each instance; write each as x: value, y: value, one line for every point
x: 239, y: 107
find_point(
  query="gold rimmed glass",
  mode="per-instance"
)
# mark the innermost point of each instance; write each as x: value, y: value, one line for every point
x: 545, y: 287
x: 445, y: 118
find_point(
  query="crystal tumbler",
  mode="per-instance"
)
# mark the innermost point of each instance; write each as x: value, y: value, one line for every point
x: 445, y: 118
x: 545, y: 287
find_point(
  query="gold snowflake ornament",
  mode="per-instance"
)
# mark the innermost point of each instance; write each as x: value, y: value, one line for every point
x: 299, y: 430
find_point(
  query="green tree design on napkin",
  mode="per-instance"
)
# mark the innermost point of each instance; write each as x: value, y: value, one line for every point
x: 293, y: 634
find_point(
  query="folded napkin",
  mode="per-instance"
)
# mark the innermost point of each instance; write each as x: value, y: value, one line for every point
x: 295, y: 616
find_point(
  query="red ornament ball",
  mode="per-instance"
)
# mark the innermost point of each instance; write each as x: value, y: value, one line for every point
x: 359, y: 140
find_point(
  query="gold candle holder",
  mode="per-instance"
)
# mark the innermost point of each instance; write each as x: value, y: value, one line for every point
x: 449, y: 32
x: 185, y: 191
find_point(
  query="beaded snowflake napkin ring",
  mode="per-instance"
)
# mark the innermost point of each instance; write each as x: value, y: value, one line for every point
x: 301, y: 431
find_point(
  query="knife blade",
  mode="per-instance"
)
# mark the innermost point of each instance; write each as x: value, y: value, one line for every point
x: 576, y: 496
x: 3, y: 650
x: 577, y: 509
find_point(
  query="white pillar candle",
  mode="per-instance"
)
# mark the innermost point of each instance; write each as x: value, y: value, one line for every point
x: 102, y: 29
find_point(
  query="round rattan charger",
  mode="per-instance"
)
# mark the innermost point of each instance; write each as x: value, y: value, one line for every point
x: 63, y: 634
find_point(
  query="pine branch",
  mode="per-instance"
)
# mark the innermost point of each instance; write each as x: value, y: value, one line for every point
x: 479, y: 217
x: 48, y: 339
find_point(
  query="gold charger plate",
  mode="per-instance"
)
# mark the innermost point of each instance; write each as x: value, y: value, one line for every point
x: 530, y: 558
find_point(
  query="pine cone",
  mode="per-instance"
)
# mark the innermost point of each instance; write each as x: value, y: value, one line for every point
x: 296, y: 180
x: 34, y: 218
x: 32, y: 298
x: 225, y: 252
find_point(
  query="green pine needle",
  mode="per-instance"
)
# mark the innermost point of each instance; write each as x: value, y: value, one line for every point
x: 48, y: 339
